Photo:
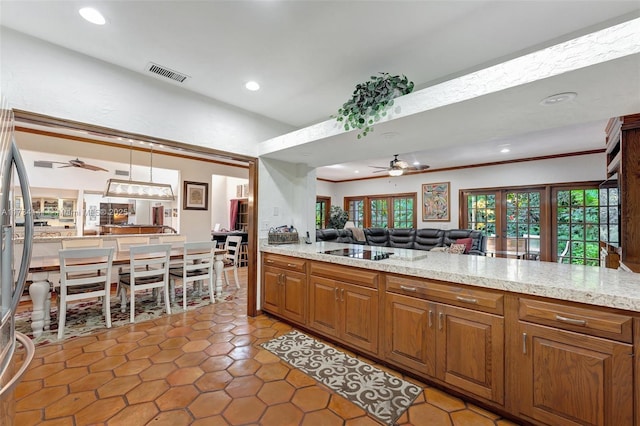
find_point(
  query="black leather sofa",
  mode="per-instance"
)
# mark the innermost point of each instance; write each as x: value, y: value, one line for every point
x: 411, y: 238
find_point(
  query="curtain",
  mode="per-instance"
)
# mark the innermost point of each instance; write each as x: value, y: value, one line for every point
x: 233, y: 214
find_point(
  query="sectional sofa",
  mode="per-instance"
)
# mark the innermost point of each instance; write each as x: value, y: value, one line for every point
x: 411, y: 238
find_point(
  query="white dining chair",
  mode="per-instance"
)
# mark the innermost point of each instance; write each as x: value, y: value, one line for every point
x: 81, y: 242
x: 174, y: 240
x: 232, y: 246
x: 197, y: 266
x: 85, y: 273
x: 124, y: 243
x: 148, y: 270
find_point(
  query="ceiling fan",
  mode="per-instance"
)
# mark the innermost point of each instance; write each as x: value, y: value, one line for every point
x: 79, y: 163
x: 397, y: 167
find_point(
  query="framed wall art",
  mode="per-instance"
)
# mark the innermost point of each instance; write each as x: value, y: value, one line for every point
x: 435, y: 202
x: 196, y: 196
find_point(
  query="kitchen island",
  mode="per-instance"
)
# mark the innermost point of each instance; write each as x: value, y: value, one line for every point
x: 545, y: 343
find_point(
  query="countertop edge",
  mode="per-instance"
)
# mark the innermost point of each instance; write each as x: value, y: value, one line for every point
x: 574, y: 283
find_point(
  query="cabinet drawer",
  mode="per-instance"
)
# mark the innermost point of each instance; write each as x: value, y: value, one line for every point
x: 345, y: 273
x: 582, y: 320
x: 284, y: 262
x: 467, y: 297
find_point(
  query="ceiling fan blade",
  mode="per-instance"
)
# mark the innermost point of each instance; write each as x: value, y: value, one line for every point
x: 379, y: 167
x: 417, y: 168
x: 378, y: 171
x: 94, y: 168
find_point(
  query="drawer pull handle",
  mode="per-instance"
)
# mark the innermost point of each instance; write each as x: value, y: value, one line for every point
x: 336, y: 291
x: 430, y: 318
x: 342, y: 295
x: 440, y: 320
x: 291, y: 265
x: 524, y: 343
x: 571, y: 321
x: 269, y: 261
x: 405, y: 288
x: 467, y: 300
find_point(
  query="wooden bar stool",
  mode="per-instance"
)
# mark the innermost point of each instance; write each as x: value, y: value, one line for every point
x: 243, y: 258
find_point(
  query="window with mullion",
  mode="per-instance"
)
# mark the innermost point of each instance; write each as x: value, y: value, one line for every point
x: 382, y: 211
x: 379, y: 213
x: 323, y: 204
x: 355, y: 208
x: 578, y: 226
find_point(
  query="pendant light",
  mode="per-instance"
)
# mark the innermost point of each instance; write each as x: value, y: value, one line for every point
x: 137, y: 189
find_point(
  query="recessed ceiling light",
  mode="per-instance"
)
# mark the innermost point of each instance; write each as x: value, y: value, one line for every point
x: 252, y: 85
x: 505, y: 150
x: 416, y: 163
x: 92, y: 15
x: 356, y: 171
x: 557, y: 98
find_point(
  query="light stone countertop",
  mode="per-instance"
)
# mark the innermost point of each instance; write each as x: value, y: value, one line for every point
x: 584, y: 284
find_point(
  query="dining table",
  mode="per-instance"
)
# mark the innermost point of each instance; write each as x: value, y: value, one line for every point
x: 41, y: 288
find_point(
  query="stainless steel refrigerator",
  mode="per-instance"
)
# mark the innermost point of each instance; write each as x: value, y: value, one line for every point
x: 13, y: 266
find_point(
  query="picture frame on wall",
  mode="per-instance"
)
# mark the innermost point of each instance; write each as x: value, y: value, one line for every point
x: 435, y: 202
x: 196, y: 196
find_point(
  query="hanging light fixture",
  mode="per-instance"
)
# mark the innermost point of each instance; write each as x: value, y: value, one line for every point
x: 137, y: 189
x: 396, y: 172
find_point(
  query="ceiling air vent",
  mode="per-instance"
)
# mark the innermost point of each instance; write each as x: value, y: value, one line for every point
x: 122, y: 173
x: 43, y: 164
x: 166, y: 72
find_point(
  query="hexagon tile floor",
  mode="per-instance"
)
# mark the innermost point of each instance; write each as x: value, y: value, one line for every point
x: 202, y: 367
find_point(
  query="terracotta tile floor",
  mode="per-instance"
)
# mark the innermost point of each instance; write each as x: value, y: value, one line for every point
x: 203, y: 367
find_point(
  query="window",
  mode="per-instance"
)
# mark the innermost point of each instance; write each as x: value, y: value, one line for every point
x: 323, y: 204
x: 355, y: 208
x: 577, y: 226
x: 383, y: 211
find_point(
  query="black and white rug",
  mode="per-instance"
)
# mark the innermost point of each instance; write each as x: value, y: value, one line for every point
x: 384, y: 396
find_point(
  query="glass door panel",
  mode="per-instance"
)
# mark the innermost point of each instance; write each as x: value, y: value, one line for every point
x: 521, y: 237
x: 379, y: 213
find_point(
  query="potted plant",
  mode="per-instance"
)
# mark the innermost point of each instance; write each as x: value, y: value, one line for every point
x: 370, y: 101
x: 337, y: 217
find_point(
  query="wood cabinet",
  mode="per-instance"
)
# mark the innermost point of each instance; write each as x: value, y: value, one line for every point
x: 242, y: 218
x: 623, y: 158
x: 284, y: 287
x: 346, y: 308
x: 459, y: 346
x: 574, y: 378
x: 566, y: 363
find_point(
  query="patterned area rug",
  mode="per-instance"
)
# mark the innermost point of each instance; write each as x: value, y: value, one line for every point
x: 86, y: 317
x: 384, y: 396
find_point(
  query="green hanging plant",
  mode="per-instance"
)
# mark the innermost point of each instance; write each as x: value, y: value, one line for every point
x: 371, y: 100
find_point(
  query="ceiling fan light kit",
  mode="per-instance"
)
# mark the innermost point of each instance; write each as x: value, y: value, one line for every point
x: 371, y: 100
x: 397, y: 167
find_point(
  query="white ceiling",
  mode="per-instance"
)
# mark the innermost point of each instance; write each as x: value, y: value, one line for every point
x: 309, y: 55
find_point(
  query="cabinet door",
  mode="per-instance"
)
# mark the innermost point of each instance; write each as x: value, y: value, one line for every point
x: 569, y: 378
x: 410, y: 333
x: 294, y: 296
x: 470, y: 351
x: 271, y: 279
x: 324, y: 305
x: 359, y: 316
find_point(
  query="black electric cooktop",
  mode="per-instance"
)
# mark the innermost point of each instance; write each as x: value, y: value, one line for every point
x: 360, y: 253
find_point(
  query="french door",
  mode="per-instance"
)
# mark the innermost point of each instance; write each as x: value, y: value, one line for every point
x: 515, y: 221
